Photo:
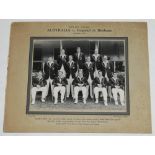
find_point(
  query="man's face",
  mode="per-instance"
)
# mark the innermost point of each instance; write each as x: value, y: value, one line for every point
x: 104, y: 58
x: 50, y: 59
x: 70, y: 58
x: 88, y: 59
x: 62, y: 51
x: 96, y: 51
x: 78, y: 50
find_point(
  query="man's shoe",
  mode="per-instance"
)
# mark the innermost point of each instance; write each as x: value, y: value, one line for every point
x: 76, y: 101
x: 56, y: 101
x: 96, y: 101
x: 33, y: 102
x: 116, y: 102
x: 122, y: 103
x: 62, y: 101
x: 84, y: 101
x: 105, y: 103
x: 43, y: 100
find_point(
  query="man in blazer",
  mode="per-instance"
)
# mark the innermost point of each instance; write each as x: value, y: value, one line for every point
x: 104, y: 66
x: 89, y: 69
x: 62, y: 61
x: 71, y: 69
x: 59, y: 83
x: 79, y: 58
x: 96, y: 58
x: 80, y: 84
x: 39, y: 84
x: 50, y: 70
x: 100, y: 84
x: 117, y: 86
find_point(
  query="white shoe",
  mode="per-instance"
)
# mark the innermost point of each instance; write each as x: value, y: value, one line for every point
x: 33, y: 102
x: 122, y: 103
x: 62, y: 101
x: 56, y: 101
x: 43, y: 100
x: 76, y: 101
x: 96, y: 101
x: 116, y: 102
x: 84, y: 101
x: 105, y: 103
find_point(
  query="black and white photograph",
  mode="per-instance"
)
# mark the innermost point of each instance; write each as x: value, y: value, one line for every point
x: 78, y: 76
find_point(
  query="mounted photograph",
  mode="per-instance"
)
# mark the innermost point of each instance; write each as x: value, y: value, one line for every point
x: 78, y: 76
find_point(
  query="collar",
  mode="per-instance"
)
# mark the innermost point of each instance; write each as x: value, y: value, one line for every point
x: 50, y: 62
x: 63, y: 55
x: 96, y: 54
x: 70, y: 62
x: 80, y: 78
x: 115, y: 78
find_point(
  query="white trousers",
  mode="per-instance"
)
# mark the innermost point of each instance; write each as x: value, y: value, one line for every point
x: 116, y: 91
x: 77, y: 89
x: 34, y: 90
x: 49, y: 82
x: 89, y: 88
x: 58, y: 89
x: 70, y: 87
x: 103, y: 90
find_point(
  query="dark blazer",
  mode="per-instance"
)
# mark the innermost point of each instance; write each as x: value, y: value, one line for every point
x: 36, y: 81
x: 71, y: 69
x: 96, y: 62
x: 77, y: 81
x: 50, y: 71
x: 104, y: 68
x: 118, y: 82
x: 62, y: 81
x: 89, y: 70
x: 103, y: 82
x: 62, y: 61
x: 79, y: 61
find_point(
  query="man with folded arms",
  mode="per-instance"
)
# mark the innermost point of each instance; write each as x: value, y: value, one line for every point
x: 39, y: 85
x: 80, y: 84
x: 59, y: 83
x: 100, y: 84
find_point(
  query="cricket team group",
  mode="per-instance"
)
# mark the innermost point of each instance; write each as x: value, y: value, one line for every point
x: 70, y: 74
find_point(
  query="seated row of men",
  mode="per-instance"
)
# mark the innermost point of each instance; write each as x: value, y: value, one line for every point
x: 79, y: 83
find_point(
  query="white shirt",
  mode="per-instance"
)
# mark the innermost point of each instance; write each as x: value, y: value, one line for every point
x: 70, y: 63
x: 88, y: 63
x: 105, y: 63
x: 95, y: 55
x: 50, y: 63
